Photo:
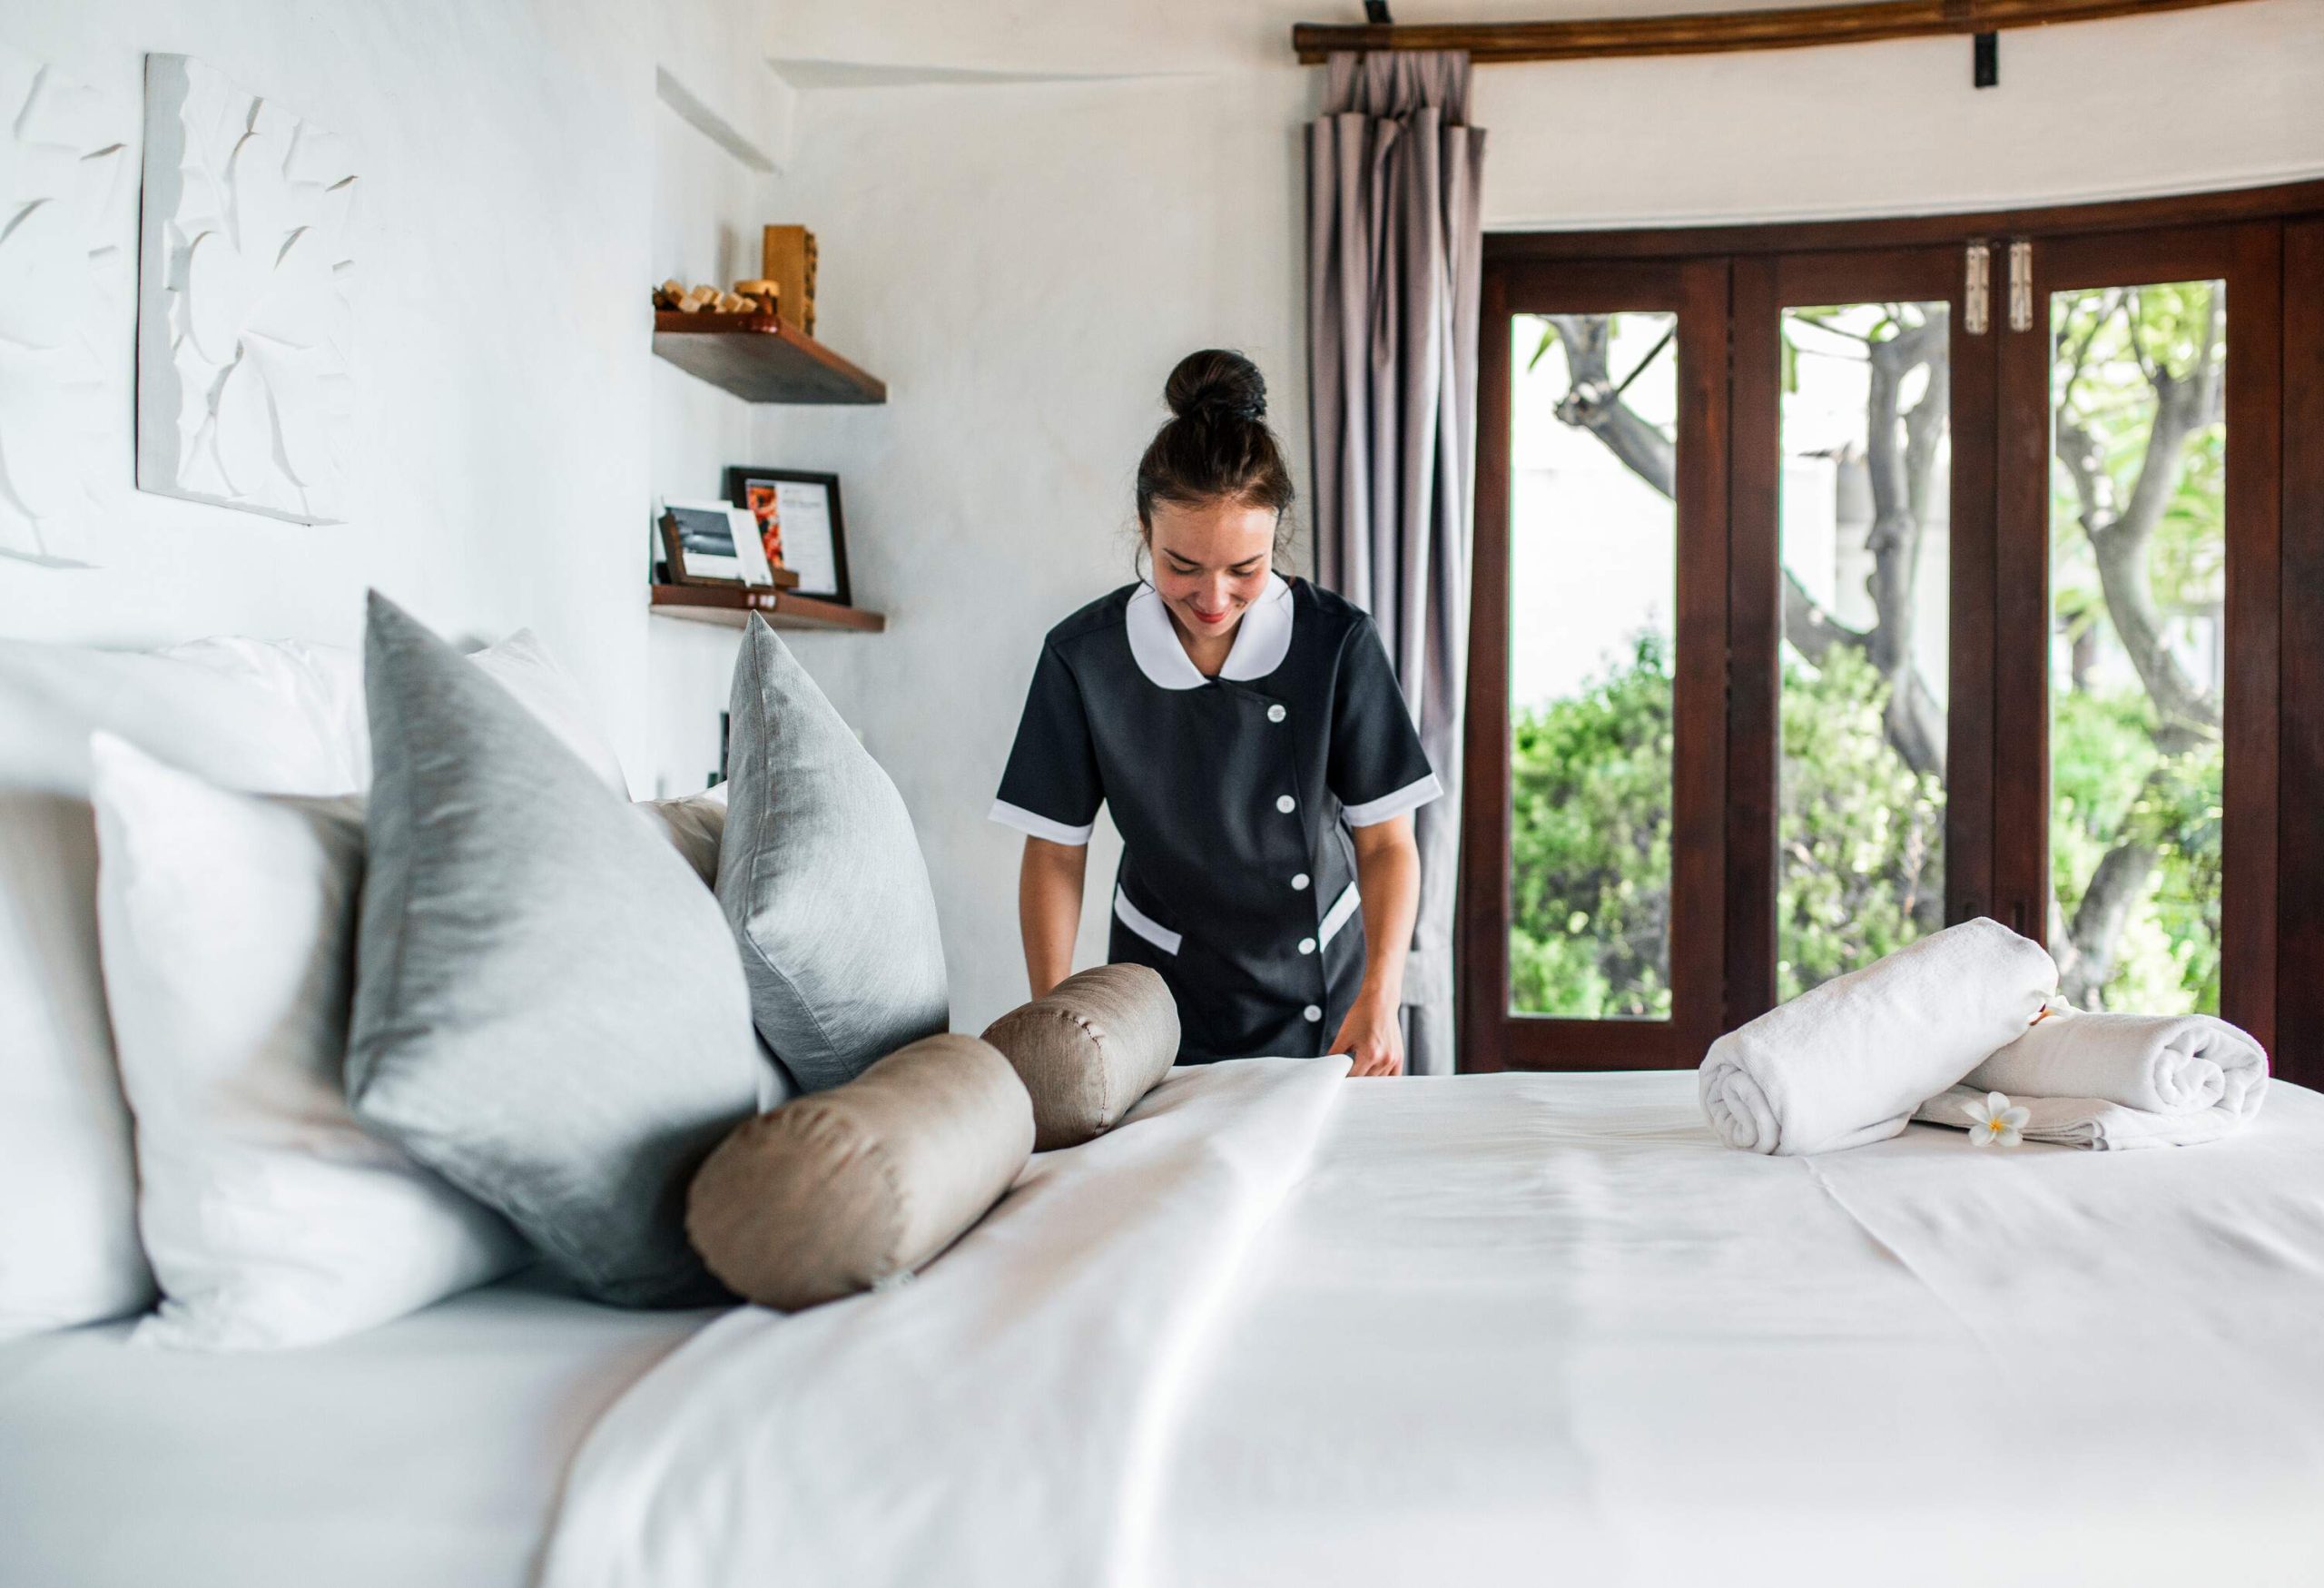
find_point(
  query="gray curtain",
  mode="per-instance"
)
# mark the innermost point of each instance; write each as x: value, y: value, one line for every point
x: 1393, y: 266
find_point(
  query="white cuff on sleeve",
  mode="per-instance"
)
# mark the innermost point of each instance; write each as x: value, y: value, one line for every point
x: 1389, y: 806
x: 1040, y: 826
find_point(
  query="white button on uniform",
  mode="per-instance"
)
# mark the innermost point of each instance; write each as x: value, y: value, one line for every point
x: 1285, y: 803
x: 1311, y: 1013
x: 1275, y: 714
x: 1299, y: 883
x: 1306, y: 945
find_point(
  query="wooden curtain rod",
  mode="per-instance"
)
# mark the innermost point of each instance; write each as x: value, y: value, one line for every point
x: 1712, y: 33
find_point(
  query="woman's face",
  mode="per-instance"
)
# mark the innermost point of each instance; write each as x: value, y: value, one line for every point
x: 1211, y: 561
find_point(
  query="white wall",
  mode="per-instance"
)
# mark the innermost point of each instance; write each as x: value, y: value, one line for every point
x: 505, y: 157
x: 2231, y: 97
x: 704, y: 201
x: 1022, y: 264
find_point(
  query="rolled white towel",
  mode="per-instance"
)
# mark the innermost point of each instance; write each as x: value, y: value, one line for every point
x: 2158, y: 1064
x: 1847, y: 1063
x: 2093, y: 1124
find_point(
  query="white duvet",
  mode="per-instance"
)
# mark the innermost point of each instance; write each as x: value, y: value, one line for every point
x: 1284, y: 1329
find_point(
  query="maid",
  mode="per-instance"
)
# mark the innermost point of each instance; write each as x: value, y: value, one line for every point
x: 1258, y: 757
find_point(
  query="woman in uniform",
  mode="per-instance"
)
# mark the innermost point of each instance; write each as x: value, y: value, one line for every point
x: 1257, y: 755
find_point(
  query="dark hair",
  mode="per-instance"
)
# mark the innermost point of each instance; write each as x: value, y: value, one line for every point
x: 1218, y: 446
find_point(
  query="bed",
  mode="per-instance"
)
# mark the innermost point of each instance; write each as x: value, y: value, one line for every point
x: 1280, y: 1327
x: 429, y: 1452
x: 1284, y: 1328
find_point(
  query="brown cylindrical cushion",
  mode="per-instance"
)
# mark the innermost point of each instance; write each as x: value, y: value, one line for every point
x: 834, y: 1192
x: 1087, y: 1052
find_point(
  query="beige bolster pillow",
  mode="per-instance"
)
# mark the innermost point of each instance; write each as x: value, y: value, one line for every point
x: 1099, y: 1041
x: 834, y: 1192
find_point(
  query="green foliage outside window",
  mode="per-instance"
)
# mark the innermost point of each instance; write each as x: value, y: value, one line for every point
x: 1864, y: 837
x: 1589, y: 846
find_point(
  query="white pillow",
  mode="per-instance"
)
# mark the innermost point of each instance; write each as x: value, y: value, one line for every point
x: 321, y: 688
x: 269, y: 1217
x: 235, y: 711
x: 523, y: 667
x: 274, y: 717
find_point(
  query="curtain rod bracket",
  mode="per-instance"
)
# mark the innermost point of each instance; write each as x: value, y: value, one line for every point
x: 1375, y: 14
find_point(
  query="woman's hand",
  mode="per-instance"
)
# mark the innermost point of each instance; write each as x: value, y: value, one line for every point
x: 1371, y: 1036
x: 1387, y: 872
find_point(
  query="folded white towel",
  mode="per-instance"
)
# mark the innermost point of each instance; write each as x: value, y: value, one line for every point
x: 2159, y: 1064
x: 2093, y: 1124
x: 1847, y: 1063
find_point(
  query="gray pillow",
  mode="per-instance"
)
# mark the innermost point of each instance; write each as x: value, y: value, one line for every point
x: 821, y: 879
x: 835, y: 1193
x: 548, y: 1010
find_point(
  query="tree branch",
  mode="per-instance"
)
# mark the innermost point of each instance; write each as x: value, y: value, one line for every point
x: 2115, y: 886
x: 1915, y: 720
x: 1894, y: 537
x: 2119, y: 540
x: 1590, y: 403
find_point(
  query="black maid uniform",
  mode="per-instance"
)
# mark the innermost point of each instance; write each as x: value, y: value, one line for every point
x: 1233, y: 796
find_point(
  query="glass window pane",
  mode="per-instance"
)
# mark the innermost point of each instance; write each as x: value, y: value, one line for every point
x: 1593, y: 558
x: 2138, y: 560
x: 1865, y: 530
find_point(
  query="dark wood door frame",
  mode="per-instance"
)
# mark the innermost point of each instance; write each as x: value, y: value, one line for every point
x: 1767, y: 285
x: 2269, y: 244
x: 2299, y: 744
x: 1697, y: 291
x: 2247, y: 257
x: 2278, y: 201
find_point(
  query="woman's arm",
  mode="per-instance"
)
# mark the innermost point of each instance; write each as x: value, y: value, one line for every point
x: 1387, y: 873
x: 1048, y: 909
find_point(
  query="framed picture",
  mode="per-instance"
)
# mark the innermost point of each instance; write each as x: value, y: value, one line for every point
x: 711, y: 543
x: 799, y: 525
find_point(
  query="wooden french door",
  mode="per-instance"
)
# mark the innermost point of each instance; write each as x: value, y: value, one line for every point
x: 2161, y: 489
x: 1910, y: 613
x: 1620, y: 332
x: 1837, y: 583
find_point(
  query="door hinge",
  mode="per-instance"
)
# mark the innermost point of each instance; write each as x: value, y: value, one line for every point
x: 1977, y: 290
x: 2021, y: 286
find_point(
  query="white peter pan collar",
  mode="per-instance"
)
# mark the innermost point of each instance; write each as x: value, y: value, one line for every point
x: 1261, y: 640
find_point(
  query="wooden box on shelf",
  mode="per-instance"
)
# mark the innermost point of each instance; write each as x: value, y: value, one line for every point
x: 787, y: 258
x: 733, y: 605
x: 761, y: 359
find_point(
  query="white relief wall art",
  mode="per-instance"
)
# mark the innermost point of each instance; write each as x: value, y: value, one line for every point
x: 245, y: 322
x: 64, y: 279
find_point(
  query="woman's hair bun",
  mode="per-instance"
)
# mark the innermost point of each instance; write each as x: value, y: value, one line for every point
x: 1217, y: 448
x: 1217, y: 381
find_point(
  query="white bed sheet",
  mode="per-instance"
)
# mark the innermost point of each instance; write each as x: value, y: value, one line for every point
x: 1522, y: 1329
x: 428, y: 1454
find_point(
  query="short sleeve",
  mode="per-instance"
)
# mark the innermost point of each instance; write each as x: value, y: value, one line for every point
x: 1376, y: 766
x: 1051, y: 789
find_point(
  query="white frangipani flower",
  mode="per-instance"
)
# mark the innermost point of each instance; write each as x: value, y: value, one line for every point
x: 1994, y: 1123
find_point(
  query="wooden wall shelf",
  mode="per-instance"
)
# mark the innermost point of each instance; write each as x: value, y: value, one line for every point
x: 760, y: 359
x: 733, y: 606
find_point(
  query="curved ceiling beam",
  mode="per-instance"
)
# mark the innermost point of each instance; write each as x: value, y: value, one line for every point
x: 1712, y: 32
